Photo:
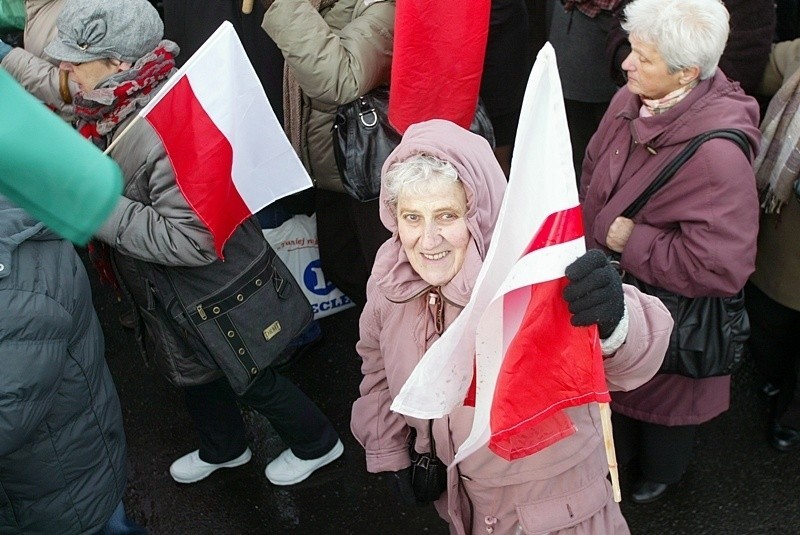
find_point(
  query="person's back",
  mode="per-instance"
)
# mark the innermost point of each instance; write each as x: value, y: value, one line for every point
x: 62, y: 445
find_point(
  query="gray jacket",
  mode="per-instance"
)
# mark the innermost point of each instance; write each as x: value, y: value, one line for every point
x: 153, y: 227
x: 62, y: 446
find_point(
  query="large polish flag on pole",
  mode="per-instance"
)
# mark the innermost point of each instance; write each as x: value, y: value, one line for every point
x: 229, y: 152
x: 512, y: 349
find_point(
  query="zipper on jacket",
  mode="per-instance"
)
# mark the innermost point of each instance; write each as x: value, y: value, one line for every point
x: 201, y: 312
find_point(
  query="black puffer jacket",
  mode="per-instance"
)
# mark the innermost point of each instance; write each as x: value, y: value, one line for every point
x: 62, y: 447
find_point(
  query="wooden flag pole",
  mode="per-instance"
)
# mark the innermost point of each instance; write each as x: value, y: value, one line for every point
x: 247, y: 7
x: 124, y: 131
x: 611, y: 454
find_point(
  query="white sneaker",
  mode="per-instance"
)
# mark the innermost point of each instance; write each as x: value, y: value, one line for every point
x: 287, y: 469
x: 191, y: 468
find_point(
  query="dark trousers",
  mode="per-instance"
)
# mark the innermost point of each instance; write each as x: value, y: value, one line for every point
x: 295, y: 418
x: 663, y: 452
x: 583, y: 119
x: 775, y: 347
x: 350, y: 233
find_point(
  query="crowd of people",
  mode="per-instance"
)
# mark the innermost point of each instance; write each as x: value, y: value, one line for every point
x: 642, y: 79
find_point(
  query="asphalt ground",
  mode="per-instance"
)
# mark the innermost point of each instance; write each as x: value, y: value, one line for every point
x: 737, y: 484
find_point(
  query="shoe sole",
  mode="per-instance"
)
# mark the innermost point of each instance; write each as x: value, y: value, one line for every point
x: 239, y: 461
x: 650, y: 500
x: 325, y: 460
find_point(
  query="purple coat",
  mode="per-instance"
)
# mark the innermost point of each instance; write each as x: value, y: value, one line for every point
x: 561, y: 489
x: 695, y: 237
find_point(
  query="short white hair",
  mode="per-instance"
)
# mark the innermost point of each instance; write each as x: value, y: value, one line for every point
x: 687, y: 33
x: 416, y: 175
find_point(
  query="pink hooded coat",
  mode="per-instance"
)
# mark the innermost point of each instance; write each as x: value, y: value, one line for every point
x: 563, y: 487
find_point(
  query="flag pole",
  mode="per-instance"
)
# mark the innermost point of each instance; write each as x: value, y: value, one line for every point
x: 124, y: 131
x: 611, y: 454
x: 247, y: 7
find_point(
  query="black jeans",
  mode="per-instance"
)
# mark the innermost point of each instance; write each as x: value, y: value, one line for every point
x: 775, y: 347
x: 663, y: 452
x: 296, y: 419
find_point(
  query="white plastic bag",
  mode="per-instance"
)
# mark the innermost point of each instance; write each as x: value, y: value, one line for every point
x: 295, y: 242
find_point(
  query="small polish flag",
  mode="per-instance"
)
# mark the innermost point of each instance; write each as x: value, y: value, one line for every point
x: 230, y: 155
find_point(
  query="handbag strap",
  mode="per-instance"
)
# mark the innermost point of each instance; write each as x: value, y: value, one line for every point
x: 430, y: 434
x: 737, y: 136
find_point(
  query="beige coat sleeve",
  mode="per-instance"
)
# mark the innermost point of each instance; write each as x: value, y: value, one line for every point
x: 38, y: 76
x: 784, y: 60
x: 334, y: 65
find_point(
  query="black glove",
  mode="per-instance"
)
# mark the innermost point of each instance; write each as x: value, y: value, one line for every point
x: 400, y: 482
x: 594, y: 293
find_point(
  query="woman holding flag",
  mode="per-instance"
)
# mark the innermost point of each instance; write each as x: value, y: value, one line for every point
x: 113, y: 50
x: 441, y: 196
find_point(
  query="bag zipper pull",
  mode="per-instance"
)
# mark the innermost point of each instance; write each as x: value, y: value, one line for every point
x: 201, y: 312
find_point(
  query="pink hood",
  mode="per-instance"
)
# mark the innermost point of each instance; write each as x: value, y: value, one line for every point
x: 484, y: 183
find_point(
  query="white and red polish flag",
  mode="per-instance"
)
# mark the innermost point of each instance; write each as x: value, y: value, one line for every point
x: 230, y: 154
x: 512, y: 351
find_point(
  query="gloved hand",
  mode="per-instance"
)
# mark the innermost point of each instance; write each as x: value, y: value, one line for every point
x: 4, y: 49
x: 400, y: 483
x: 594, y: 293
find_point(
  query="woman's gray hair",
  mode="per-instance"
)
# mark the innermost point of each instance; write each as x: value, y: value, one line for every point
x: 415, y: 175
x: 687, y: 33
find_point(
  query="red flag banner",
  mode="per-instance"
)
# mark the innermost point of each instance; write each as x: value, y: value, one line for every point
x: 437, y: 62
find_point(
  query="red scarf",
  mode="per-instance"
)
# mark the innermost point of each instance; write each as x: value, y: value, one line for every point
x: 101, y: 110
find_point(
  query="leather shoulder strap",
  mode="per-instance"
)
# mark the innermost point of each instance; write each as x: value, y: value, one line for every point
x: 736, y: 136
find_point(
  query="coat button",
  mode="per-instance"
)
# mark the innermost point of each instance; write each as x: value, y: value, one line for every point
x: 616, y: 151
x: 2, y: 267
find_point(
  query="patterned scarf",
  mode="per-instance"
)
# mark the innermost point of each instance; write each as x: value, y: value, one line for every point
x: 591, y: 8
x: 295, y: 115
x: 101, y: 110
x: 777, y: 165
x: 657, y: 106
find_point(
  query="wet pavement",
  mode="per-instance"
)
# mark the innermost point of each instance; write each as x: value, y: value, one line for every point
x: 736, y: 484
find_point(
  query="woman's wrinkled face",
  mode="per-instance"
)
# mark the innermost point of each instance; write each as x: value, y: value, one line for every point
x: 88, y: 75
x: 433, y: 230
x: 648, y: 74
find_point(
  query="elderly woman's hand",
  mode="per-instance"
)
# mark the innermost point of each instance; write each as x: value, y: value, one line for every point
x: 619, y: 233
x: 594, y: 293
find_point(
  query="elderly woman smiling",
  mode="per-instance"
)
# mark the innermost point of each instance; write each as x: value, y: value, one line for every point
x: 697, y: 235
x: 442, y: 191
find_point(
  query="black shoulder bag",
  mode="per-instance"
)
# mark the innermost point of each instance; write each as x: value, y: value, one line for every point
x: 363, y: 139
x: 708, y: 337
x: 237, y: 315
x: 428, y: 472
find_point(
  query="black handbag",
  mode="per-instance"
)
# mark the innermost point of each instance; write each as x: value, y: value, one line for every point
x: 237, y: 314
x: 709, y: 333
x: 363, y: 139
x: 428, y: 472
